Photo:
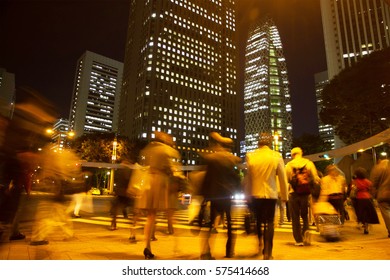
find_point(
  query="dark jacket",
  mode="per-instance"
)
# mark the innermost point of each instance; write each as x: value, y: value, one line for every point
x: 380, y: 178
x: 222, y: 178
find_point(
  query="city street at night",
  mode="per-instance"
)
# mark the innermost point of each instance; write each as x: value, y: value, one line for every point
x: 93, y: 239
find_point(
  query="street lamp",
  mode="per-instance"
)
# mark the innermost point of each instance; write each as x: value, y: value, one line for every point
x: 113, y: 160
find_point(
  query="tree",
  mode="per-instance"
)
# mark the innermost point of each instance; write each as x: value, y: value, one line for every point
x: 98, y: 147
x: 356, y: 102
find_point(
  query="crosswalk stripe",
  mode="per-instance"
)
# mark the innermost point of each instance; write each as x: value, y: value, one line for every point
x: 181, y: 221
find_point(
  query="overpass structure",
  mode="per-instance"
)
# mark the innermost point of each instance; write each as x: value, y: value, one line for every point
x: 361, y: 146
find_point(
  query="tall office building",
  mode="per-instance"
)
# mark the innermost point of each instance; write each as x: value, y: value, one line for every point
x: 60, y: 134
x: 353, y: 29
x: 266, y: 88
x: 7, y: 93
x: 180, y: 73
x: 96, y: 94
x: 325, y: 130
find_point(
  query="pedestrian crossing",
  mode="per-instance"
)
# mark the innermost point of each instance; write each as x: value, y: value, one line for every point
x: 181, y: 219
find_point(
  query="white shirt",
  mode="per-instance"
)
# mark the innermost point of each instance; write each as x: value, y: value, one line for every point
x: 265, y: 166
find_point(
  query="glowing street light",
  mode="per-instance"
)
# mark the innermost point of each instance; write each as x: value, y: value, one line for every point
x: 59, y: 137
x: 113, y: 160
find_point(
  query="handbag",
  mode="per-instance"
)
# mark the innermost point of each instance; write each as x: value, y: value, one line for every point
x: 353, y: 192
x: 139, y: 181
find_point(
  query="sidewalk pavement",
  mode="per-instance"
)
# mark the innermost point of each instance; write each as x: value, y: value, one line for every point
x: 97, y: 242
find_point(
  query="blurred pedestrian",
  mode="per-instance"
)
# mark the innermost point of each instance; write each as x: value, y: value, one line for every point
x: 22, y: 133
x: 364, y: 206
x: 122, y: 199
x: 380, y: 177
x: 197, y: 210
x: 62, y: 171
x: 164, y: 162
x: 281, y: 209
x: 333, y: 189
x: 266, y: 180
x: 221, y: 182
x: 79, y: 198
x: 302, y: 176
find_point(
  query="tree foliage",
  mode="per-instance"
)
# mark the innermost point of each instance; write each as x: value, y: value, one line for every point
x: 356, y: 102
x: 98, y: 147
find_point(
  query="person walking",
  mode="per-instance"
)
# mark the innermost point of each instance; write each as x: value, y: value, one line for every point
x: 221, y: 181
x: 364, y: 207
x: 122, y: 200
x: 164, y: 162
x: 333, y: 189
x: 20, y: 136
x: 380, y: 177
x: 300, y: 190
x: 265, y: 177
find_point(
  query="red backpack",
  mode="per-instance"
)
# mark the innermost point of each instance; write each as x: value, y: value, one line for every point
x: 302, y: 180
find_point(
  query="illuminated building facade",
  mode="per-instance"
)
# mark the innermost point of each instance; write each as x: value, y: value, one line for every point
x: 325, y: 130
x: 180, y: 73
x: 353, y: 29
x: 60, y: 134
x: 7, y: 93
x: 96, y: 93
x: 267, y: 106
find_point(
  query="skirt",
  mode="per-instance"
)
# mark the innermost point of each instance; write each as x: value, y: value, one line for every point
x: 366, y: 212
x: 157, y: 196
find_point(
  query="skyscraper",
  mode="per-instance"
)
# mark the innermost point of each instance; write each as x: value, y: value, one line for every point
x: 7, y: 92
x: 353, y: 29
x: 60, y: 134
x: 266, y: 88
x: 325, y: 130
x: 96, y: 93
x: 180, y: 73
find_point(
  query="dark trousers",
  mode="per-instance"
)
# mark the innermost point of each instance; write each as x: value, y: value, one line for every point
x: 220, y: 207
x: 264, y: 210
x: 299, y: 207
x: 117, y: 204
x: 338, y: 204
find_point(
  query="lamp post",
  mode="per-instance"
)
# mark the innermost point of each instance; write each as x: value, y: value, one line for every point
x: 113, y: 160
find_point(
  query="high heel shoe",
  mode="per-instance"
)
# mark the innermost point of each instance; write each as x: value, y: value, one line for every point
x: 148, y: 254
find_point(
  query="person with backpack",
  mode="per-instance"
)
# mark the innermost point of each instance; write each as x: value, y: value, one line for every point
x: 302, y: 176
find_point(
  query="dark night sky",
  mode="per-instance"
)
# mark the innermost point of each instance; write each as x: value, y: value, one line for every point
x: 42, y: 40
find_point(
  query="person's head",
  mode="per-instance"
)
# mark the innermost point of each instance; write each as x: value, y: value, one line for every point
x: 332, y: 170
x: 217, y: 140
x: 296, y: 152
x: 360, y: 173
x: 164, y: 138
x: 265, y: 139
